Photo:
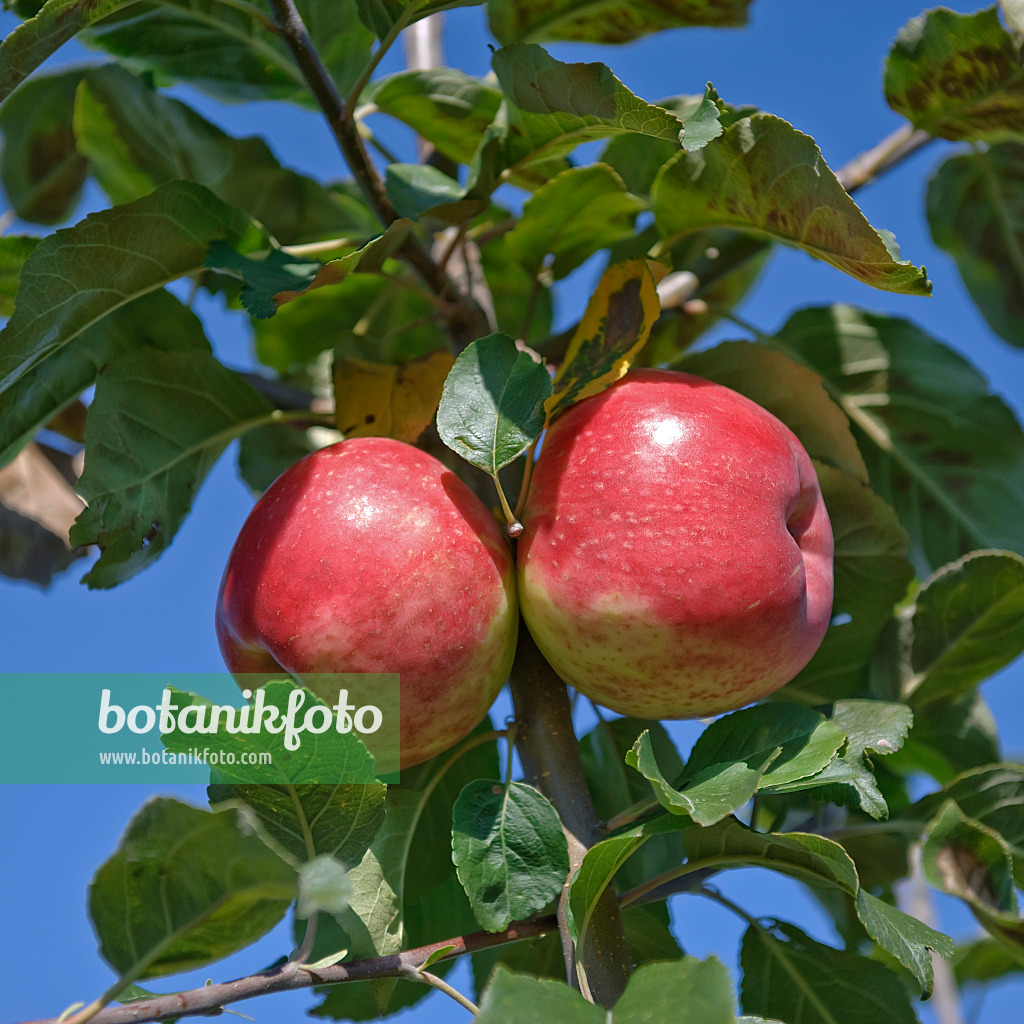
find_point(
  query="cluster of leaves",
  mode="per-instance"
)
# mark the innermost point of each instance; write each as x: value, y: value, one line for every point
x: 921, y: 465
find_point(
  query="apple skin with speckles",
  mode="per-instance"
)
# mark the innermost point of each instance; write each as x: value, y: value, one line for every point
x: 677, y: 554
x: 371, y: 556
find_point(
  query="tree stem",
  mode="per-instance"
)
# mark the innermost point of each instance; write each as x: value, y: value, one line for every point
x: 549, y: 752
x: 466, y: 321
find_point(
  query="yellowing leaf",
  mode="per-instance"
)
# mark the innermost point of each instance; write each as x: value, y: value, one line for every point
x: 614, y: 328
x: 385, y: 400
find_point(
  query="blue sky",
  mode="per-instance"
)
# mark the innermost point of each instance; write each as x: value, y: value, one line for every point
x: 822, y: 72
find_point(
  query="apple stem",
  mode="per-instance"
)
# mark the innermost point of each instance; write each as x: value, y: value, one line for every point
x: 515, y: 528
x: 524, y: 487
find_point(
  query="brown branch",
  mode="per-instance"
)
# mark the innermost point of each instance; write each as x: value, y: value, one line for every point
x: 890, y: 151
x: 466, y: 321
x: 211, y: 999
x: 547, y: 746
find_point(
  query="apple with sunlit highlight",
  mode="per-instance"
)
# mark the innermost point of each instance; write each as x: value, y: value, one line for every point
x: 677, y: 554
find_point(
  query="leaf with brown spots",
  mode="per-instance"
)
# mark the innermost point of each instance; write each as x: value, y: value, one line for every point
x: 614, y: 328
x: 958, y: 76
x: 515, y: 21
x: 763, y: 176
x: 385, y: 400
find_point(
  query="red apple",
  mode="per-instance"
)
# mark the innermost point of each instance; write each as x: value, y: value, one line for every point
x: 677, y: 555
x: 372, y: 556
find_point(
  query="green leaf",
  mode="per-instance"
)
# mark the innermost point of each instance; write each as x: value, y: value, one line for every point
x: 422, y: 190
x: 958, y: 76
x: 409, y: 894
x: 906, y: 938
x: 974, y: 205
x: 809, y: 858
x: 445, y: 106
x: 793, y: 393
x: 614, y: 785
x: 14, y: 251
x: 65, y: 283
x: 951, y: 736
x: 554, y: 107
x: 705, y: 123
x: 944, y: 451
x: 383, y: 15
x: 602, y: 861
x: 766, y: 746
x: 232, y: 51
x: 575, y: 214
x: 323, y: 885
x: 305, y: 817
x: 492, y: 407
x: 264, y: 278
x: 41, y: 167
x: 186, y: 887
x: 871, y: 727
x: 373, y: 921
x: 648, y: 927
x: 726, y: 265
x: 992, y: 796
x: 509, y: 850
x: 519, y: 999
x: 31, y: 42
x: 786, y: 974
x: 983, y: 961
x: 967, y: 624
x: 709, y: 796
x: 157, y: 424
x: 279, y: 278
x: 362, y: 317
x: 766, y: 177
x: 264, y: 453
x: 433, y: 839
x: 514, y: 21
x: 655, y: 992
x: 872, y: 572
x: 638, y: 158
x: 156, y: 319
x: 137, y: 138
x: 973, y: 862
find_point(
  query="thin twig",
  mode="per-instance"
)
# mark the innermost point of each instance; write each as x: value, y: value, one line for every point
x: 426, y: 978
x: 890, y: 151
x: 467, y: 321
x: 290, y: 977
